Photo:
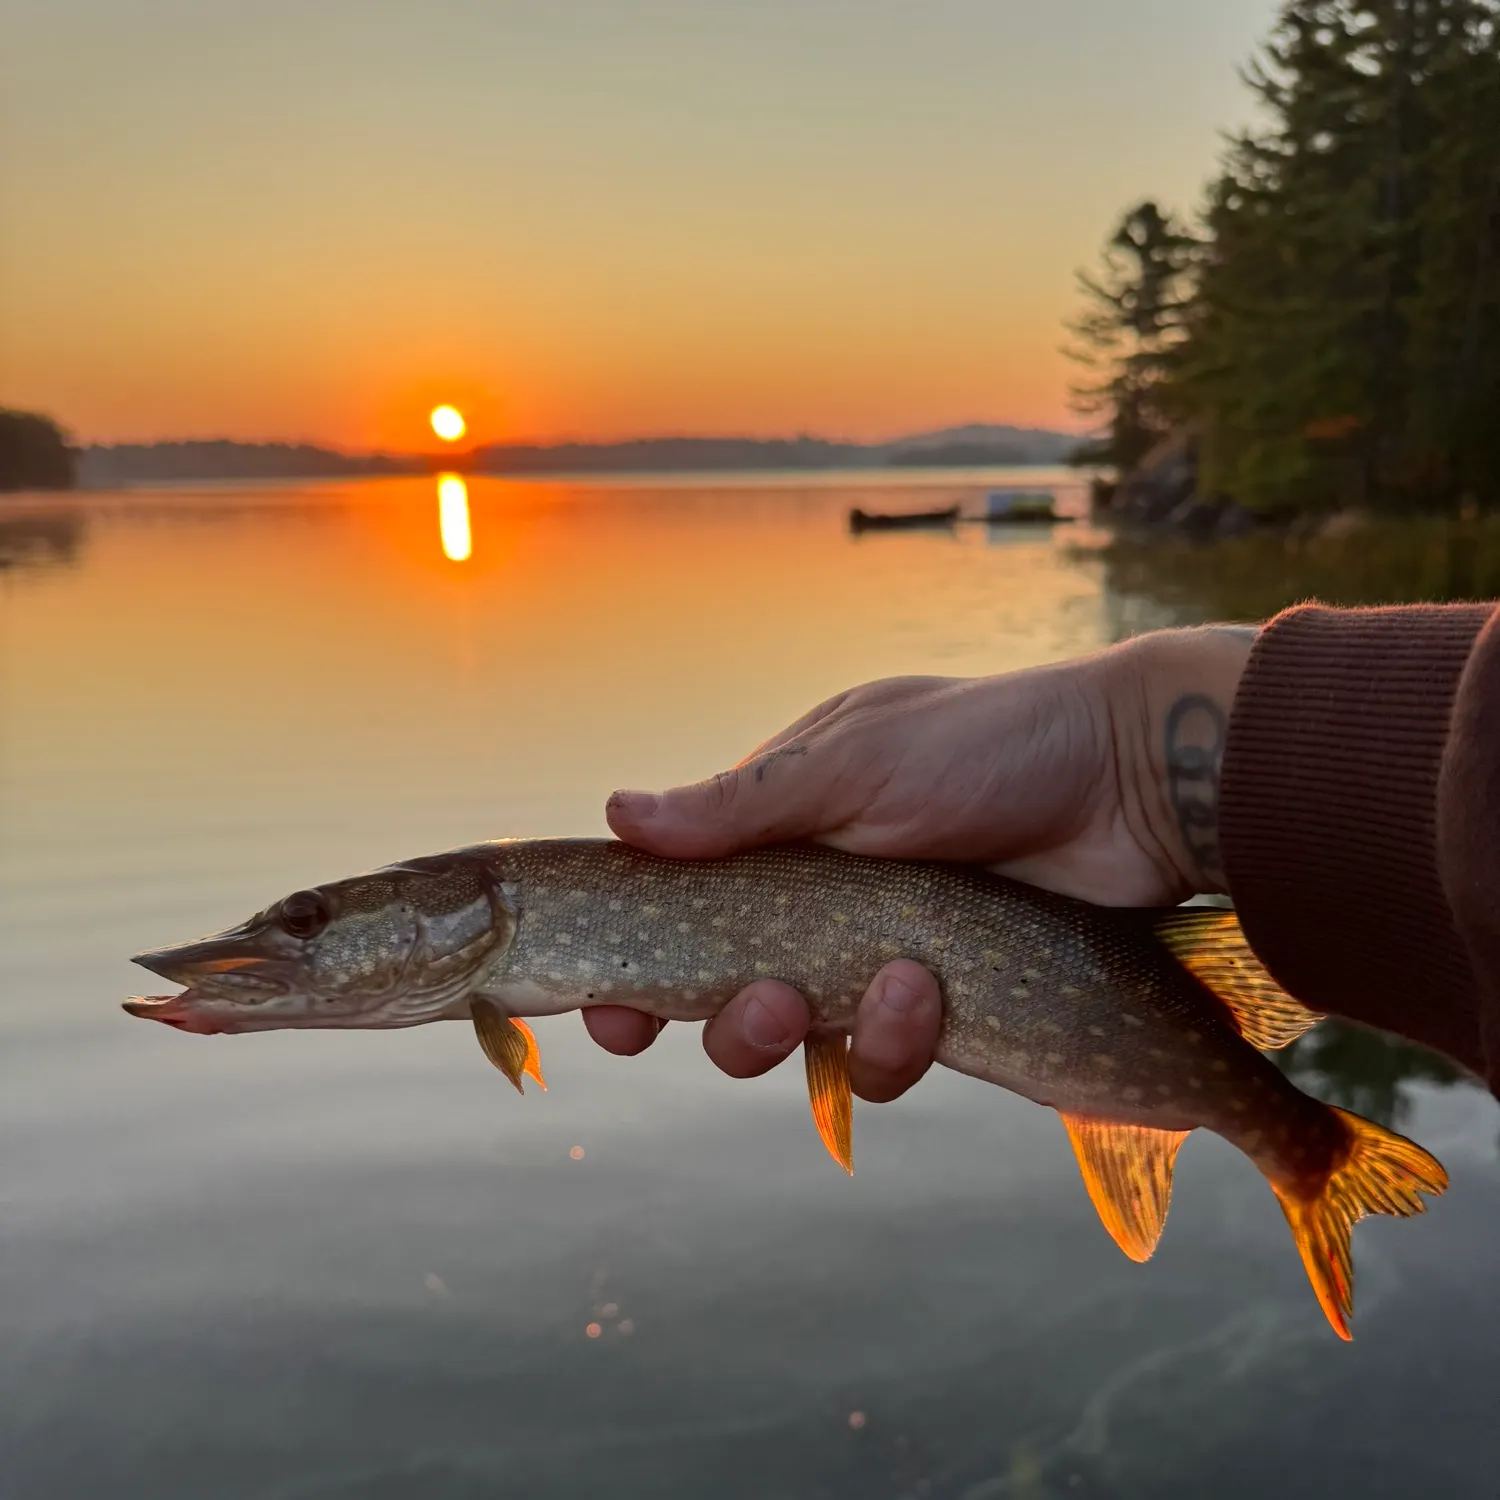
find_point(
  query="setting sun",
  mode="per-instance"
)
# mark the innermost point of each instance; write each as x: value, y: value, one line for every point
x: 448, y: 422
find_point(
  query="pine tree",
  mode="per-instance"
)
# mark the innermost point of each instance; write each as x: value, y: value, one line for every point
x: 1453, y: 305
x: 1130, y: 331
x: 1338, y: 338
x: 34, y: 453
x: 1282, y: 366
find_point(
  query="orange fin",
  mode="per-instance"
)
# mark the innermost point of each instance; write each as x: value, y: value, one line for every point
x: 827, y: 1056
x: 533, y: 1064
x: 507, y: 1044
x: 1382, y: 1173
x: 1128, y: 1172
x: 1208, y: 943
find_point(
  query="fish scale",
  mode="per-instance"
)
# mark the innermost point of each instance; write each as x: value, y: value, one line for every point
x: 1136, y: 1026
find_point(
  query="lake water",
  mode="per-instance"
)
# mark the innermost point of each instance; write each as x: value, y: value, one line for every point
x: 359, y: 1265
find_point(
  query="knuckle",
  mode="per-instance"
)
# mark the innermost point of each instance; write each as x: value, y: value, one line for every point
x: 721, y: 791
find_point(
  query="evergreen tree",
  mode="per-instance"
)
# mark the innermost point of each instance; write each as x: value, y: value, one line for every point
x: 1338, y: 340
x: 34, y: 453
x: 1129, y: 333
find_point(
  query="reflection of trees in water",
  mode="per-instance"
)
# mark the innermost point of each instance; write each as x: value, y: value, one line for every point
x: 40, y: 541
x: 1369, y: 1072
x: 1163, y: 580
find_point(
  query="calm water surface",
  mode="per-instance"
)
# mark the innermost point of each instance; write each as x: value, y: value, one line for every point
x: 360, y: 1265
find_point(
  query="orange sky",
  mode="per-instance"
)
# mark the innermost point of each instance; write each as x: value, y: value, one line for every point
x: 590, y: 218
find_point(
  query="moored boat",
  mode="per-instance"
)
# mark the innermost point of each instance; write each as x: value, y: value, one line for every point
x: 1005, y: 507
x: 862, y: 520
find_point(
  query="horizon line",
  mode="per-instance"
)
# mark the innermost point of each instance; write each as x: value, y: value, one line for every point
x: 570, y: 440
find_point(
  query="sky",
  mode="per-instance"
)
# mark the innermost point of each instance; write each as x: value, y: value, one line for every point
x: 579, y: 218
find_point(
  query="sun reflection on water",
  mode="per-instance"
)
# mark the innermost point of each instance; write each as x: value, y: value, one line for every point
x: 453, y: 517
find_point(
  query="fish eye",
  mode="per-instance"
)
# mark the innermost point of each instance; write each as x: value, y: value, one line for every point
x: 304, y: 914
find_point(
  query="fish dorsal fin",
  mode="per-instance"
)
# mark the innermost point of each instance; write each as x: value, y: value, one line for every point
x: 827, y: 1056
x: 508, y: 1043
x: 1208, y: 943
x: 1128, y: 1172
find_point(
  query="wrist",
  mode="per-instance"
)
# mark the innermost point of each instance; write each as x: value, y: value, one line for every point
x: 1170, y: 708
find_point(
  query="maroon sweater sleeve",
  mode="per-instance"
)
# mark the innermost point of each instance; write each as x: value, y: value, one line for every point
x: 1360, y: 818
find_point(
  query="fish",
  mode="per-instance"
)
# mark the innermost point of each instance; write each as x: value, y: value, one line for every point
x: 1138, y: 1026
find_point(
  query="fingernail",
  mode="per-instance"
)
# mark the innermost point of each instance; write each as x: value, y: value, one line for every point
x: 763, y: 1027
x: 639, y: 805
x: 899, y: 995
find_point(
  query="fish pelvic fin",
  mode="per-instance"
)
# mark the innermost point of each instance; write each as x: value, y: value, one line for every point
x: 826, y: 1054
x: 507, y: 1042
x: 1381, y: 1173
x: 1127, y: 1170
x: 1208, y: 943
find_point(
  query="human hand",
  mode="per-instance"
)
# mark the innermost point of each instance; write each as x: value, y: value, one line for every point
x: 1096, y: 777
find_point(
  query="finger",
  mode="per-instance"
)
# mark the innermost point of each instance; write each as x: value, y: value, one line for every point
x: 621, y: 1030
x: 895, y: 1031
x: 778, y: 794
x: 762, y: 1026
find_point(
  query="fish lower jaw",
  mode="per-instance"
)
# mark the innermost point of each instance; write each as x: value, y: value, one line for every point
x: 176, y: 1011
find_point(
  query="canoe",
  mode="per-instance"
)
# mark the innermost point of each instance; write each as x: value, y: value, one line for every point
x: 911, y: 520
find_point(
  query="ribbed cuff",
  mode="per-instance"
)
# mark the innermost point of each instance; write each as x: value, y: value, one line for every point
x: 1329, y: 814
x: 1468, y: 829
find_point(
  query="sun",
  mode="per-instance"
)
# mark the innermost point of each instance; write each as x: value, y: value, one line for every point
x: 448, y: 422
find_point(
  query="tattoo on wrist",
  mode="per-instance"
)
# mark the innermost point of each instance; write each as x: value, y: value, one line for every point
x: 1196, y: 730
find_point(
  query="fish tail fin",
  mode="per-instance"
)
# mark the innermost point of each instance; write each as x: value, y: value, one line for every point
x: 1380, y: 1173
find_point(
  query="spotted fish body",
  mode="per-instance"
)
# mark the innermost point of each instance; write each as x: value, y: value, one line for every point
x: 1072, y: 1005
x: 1136, y: 1026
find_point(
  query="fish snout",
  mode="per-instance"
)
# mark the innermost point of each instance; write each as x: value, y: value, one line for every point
x: 230, y: 962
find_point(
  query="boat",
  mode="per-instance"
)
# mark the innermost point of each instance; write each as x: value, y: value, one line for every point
x: 1035, y: 507
x: 910, y: 520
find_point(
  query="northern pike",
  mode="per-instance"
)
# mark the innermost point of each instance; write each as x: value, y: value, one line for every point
x: 1137, y: 1027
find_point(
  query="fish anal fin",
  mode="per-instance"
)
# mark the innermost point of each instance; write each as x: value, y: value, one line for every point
x: 1380, y: 1173
x: 1209, y: 944
x: 1127, y: 1170
x: 508, y: 1045
x: 827, y: 1056
x: 533, y: 1063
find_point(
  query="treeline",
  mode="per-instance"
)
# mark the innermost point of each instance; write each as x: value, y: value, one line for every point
x: 955, y: 447
x: 144, y: 463
x: 34, y: 453
x: 1328, y: 332
x: 220, y: 458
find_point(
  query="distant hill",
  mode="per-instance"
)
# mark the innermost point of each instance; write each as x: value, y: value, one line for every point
x: 951, y: 447
x: 1032, y: 445
x: 144, y: 463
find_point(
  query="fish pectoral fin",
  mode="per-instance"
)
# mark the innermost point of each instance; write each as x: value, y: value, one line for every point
x: 507, y: 1042
x: 533, y: 1063
x: 1381, y: 1173
x: 827, y: 1056
x: 1127, y: 1170
x: 1209, y: 943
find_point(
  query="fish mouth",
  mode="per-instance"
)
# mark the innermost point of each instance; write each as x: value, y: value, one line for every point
x: 226, y: 978
x: 178, y: 1011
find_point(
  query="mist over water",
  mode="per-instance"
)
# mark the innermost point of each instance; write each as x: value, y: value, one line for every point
x: 326, y: 1265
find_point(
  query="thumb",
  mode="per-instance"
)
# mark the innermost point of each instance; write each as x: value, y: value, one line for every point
x: 772, y: 797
